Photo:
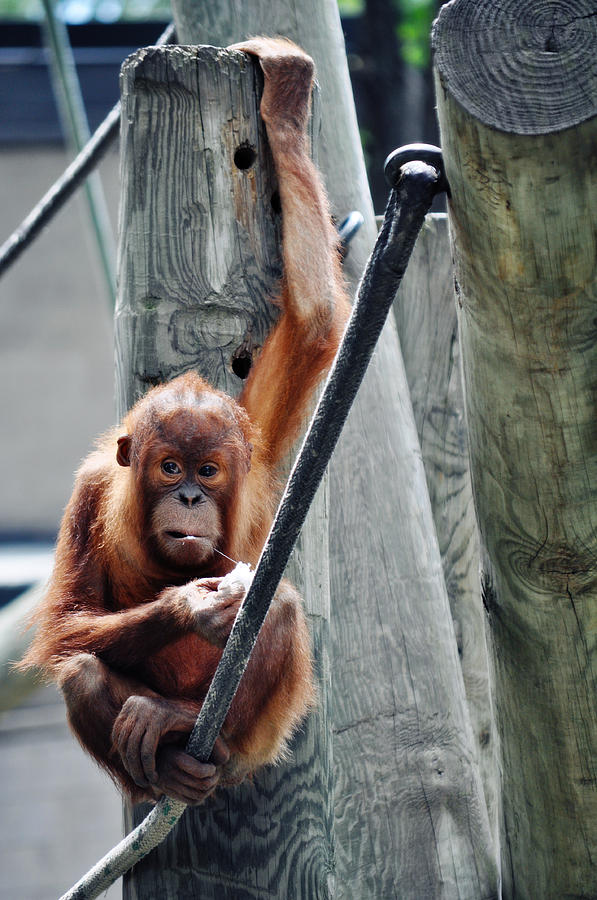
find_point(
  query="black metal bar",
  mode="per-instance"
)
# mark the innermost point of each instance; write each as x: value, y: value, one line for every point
x: 426, y: 153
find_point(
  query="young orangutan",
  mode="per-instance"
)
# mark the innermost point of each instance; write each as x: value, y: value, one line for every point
x: 134, y: 621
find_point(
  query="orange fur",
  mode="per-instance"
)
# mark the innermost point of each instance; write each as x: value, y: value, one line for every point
x: 133, y: 622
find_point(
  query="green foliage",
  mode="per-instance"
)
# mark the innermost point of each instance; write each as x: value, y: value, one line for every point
x: 415, y: 18
x: 351, y: 7
x: 21, y: 9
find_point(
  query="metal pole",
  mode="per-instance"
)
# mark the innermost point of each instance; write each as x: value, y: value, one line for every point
x: 75, y: 127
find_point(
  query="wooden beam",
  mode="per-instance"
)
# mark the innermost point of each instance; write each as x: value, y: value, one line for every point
x: 199, y: 257
x: 199, y: 239
x: 517, y: 102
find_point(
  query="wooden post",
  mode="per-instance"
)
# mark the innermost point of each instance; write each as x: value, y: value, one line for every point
x: 199, y: 238
x: 517, y: 100
x: 199, y: 255
x: 410, y: 818
x: 428, y: 330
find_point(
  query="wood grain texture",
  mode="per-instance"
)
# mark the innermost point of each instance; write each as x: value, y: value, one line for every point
x: 522, y: 218
x: 199, y: 285
x: 199, y: 261
x: 315, y: 25
x: 404, y: 827
x: 411, y: 818
x: 427, y: 324
x: 260, y: 840
x: 522, y: 67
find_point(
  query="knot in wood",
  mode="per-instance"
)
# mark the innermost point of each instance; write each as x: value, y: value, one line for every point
x: 555, y: 569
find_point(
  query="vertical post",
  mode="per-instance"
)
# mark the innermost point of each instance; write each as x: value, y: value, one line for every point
x: 517, y: 89
x: 428, y: 329
x: 199, y: 259
x: 410, y: 816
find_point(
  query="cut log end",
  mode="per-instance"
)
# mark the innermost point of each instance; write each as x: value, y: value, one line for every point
x: 521, y: 66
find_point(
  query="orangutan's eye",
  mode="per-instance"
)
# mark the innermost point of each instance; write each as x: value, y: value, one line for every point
x: 170, y: 467
x: 208, y: 470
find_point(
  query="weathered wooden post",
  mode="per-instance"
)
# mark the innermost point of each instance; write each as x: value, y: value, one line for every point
x: 410, y: 817
x: 517, y: 99
x: 428, y: 330
x: 199, y: 254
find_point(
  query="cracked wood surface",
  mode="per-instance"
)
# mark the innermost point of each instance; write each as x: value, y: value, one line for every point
x: 523, y: 225
x: 427, y: 323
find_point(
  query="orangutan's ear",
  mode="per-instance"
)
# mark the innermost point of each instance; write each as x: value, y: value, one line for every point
x: 123, y: 454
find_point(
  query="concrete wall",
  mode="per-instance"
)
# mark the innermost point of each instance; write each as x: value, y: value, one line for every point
x: 56, y: 354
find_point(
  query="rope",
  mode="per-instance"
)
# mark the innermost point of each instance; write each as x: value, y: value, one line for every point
x: 409, y: 202
x: 65, y: 186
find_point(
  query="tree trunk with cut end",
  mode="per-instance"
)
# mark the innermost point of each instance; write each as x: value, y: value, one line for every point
x: 410, y: 817
x: 428, y: 329
x: 517, y: 99
x: 199, y: 259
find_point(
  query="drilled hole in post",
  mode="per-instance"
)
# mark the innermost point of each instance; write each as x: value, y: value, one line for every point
x: 241, y: 363
x: 244, y: 156
x: 276, y: 204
